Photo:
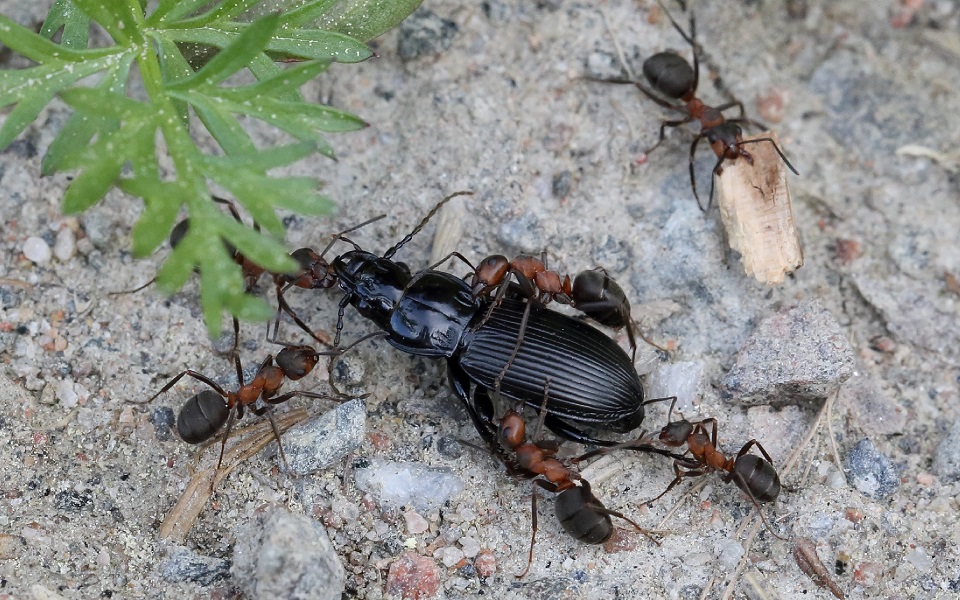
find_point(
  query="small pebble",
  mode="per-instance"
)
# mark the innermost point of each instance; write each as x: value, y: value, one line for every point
x: 680, y: 379
x: 312, y: 446
x: 871, y: 472
x: 425, y: 33
x: 415, y: 523
x: 66, y: 245
x: 449, y: 555
x: 11, y: 546
x: 449, y: 447
x: 70, y: 393
x: 413, y: 577
x: 396, y: 484
x: 36, y: 250
x: 471, y: 547
x: 919, y: 558
x: 728, y: 552
x: 486, y: 564
x: 868, y: 574
x: 800, y: 354
x: 186, y: 565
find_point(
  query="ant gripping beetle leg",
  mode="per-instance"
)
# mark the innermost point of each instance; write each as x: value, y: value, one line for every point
x: 754, y: 475
x: 579, y: 511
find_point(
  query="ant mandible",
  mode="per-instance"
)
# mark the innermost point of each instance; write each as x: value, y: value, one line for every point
x: 675, y: 84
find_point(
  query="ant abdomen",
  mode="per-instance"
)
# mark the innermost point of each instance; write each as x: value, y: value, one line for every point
x: 599, y: 297
x: 756, y: 477
x: 583, y: 516
x: 669, y: 74
x: 201, y: 417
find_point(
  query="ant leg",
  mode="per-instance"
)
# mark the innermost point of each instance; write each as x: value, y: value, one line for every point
x: 775, y: 147
x: 223, y: 444
x: 693, y: 178
x: 663, y: 133
x: 717, y: 172
x: 614, y: 513
x: 543, y: 410
x: 236, y: 338
x: 743, y: 114
x: 751, y: 444
x: 673, y: 402
x: 680, y: 476
x: 533, y: 534
x: 702, y: 425
x: 191, y: 373
x: 453, y: 254
x: 282, y: 305
x: 268, y: 410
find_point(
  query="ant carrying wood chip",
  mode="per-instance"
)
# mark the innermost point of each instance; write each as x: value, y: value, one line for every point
x: 756, y: 211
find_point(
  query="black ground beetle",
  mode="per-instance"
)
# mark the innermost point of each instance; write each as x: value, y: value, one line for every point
x: 436, y: 314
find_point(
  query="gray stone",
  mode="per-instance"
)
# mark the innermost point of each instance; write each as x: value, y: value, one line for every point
x: 98, y: 224
x: 946, y: 460
x: 871, y: 472
x: 311, y: 446
x: 186, y: 565
x: 423, y: 33
x: 871, y: 409
x: 798, y: 355
x: 681, y: 379
x: 869, y: 114
x: 407, y: 484
x: 282, y: 555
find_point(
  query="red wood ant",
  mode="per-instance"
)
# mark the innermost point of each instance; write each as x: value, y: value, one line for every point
x: 755, y: 476
x: 580, y: 513
x: 205, y: 413
x: 592, y: 292
x: 675, y: 84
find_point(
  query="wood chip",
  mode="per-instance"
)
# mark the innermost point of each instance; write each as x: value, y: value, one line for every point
x: 184, y: 514
x: 756, y: 212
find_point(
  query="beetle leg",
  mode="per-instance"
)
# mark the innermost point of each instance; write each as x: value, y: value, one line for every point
x: 460, y: 382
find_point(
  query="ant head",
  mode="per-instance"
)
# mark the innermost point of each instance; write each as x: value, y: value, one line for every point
x: 676, y: 433
x: 670, y: 75
x: 490, y: 272
x: 297, y: 361
x: 315, y: 271
x: 725, y: 138
x: 512, y: 430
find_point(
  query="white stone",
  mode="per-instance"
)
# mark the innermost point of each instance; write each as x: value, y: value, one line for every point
x: 36, y: 250
x: 66, y: 245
